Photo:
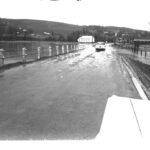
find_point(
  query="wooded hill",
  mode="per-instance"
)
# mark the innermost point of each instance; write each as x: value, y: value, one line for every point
x: 26, y: 29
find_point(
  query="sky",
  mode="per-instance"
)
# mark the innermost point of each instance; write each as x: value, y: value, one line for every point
x: 125, y: 13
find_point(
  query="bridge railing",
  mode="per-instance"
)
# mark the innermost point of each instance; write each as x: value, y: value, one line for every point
x: 24, y: 55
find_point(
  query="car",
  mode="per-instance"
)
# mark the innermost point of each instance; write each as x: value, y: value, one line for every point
x: 100, y: 46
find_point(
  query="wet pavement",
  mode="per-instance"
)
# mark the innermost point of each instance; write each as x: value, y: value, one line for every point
x: 61, y: 98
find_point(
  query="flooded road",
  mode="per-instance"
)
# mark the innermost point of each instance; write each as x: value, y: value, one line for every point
x: 61, y: 98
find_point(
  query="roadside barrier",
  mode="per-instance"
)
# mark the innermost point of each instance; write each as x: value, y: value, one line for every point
x: 57, y: 50
x: 29, y: 55
x: 38, y: 53
x: 24, y: 54
x: 67, y: 49
x: 63, y: 49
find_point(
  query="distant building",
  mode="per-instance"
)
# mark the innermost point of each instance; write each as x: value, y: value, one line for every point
x: 86, y: 39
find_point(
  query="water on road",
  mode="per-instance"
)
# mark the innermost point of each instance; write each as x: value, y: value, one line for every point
x: 61, y: 98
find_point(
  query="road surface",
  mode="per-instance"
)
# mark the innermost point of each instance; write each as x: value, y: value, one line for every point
x: 63, y: 97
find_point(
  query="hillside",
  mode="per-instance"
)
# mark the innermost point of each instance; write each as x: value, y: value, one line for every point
x: 40, y: 26
x: 26, y: 29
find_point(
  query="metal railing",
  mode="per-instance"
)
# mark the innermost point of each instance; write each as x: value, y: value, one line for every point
x: 26, y: 55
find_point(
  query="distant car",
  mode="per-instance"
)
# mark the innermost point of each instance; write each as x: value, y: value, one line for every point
x: 100, y: 46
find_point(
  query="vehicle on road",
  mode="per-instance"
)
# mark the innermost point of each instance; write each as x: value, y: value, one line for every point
x: 100, y: 46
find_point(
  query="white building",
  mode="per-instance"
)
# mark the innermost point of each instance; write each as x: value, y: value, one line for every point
x: 86, y: 39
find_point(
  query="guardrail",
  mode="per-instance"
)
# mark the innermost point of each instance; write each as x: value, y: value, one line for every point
x: 26, y: 55
x: 126, y: 45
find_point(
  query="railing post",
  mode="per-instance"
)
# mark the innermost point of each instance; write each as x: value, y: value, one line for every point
x: 50, y: 51
x: 24, y: 54
x: 38, y: 53
x: 63, y: 49
x: 2, y: 57
x: 67, y: 49
x: 71, y: 47
x: 57, y: 50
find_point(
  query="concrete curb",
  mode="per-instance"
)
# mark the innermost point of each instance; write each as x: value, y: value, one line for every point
x: 137, y: 83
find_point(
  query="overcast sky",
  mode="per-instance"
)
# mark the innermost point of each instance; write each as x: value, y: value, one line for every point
x: 127, y: 13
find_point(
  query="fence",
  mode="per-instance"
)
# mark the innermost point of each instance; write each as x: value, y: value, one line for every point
x: 28, y: 55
